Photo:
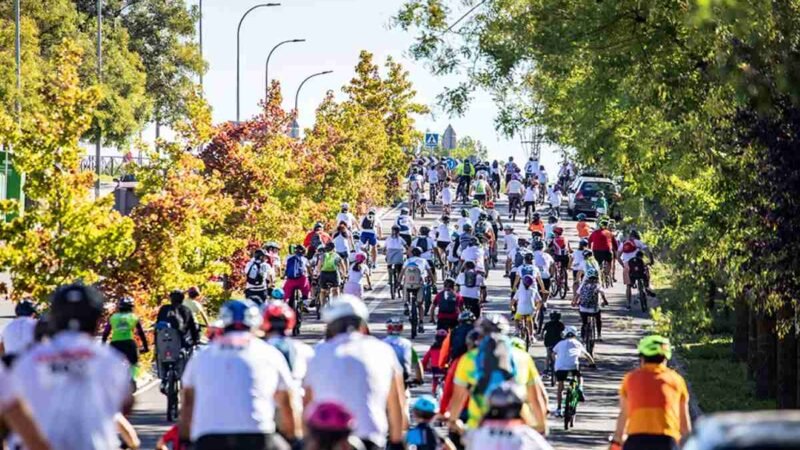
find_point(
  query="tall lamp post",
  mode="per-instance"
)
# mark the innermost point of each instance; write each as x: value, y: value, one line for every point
x: 99, y: 136
x: 295, y: 124
x: 238, y: 33
x: 200, y: 37
x: 266, y: 66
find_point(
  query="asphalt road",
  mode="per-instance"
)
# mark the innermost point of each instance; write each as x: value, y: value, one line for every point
x: 595, y: 420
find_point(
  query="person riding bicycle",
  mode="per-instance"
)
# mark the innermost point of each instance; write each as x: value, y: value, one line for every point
x: 331, y: 268
x: 371, y: 231
x: 443, y: 234
x: 406, y: 224
x: 531, y: 169
x: 17, y: 336
x: 578, y: 264
x: 432, y: 361
x: 416, y: 272
x: 180, y: 318
x: 277, y: 323
x: 602, y: 243
x: 493, y: 216
x: 343, y: 241
x: 601, y: 204
x: 582, y: 227
x: 630, y: 250
x: 316, y: 237
x: 469, y: 283
x: 258, y: 274
x: 544, y: 182
x: 523, y: 304
x: 511, y: 168
x: 568, y: 353
x: 425, y: 243
x: 475, y: 211
x: 448, y: 195
x: 465, y: 171
x: 216, y: 411
x: 463, y: 220
x: 297, y: 274
x: 346, y: 217
x: 514, y: 191
x: 194, y: 302
x: 554, y: 198
x: 536, y: 225
x: 551, y: 335
x: 483, y: 229
x: 404, y: 350
x: 653, y: 402
x: 424, y: 436
x: 588, y: 301
x: 560, y: 248
x: 358, y: 271
x: 505, y: 426
x: 481, y: 189
x: 272, y: 256
x: 544, y: 262
x: 122, y: 327
x: 447, y: 305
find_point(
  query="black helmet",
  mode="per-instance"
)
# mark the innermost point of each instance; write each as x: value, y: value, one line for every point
x: 424, y: 231
x: 505, y: 401
x: 396, y: 228
x: 76, y: 307
x: 555, y: 315
x: 25, y: 308
x: 299, y: 250
x: 125, y: 303
x: 259, y: 253
x: 493, y: 323
x: 416, y: 251
x: 318, y: 226
x: 466, y: 317
x: 176, y: 296
x: 467, y: 227
x: 538, y: 245
x: 450, y: 282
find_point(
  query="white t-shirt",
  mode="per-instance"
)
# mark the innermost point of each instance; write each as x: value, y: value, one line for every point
x: 355, y: 276
x: 74, y: 387
x: 235, y: 380
x: 443, y: 233
x: 525, y: 298
x: 463, y: 221
x: 395, y: 243
x: 555, y: 198
x: 469, y: 292
x: 515, y: 187
x: 578, y: 261
x: 476, y: 255
x: 266, y: 272
x: 341, y: 244
x: 568, y: 354
x: 433, y: 176
x: 18, y: 335
x: 422, y: 263
x: 499, y: 435
x: 512, y: 242
x: 530, y: 194
x: 376, y: 225
x: 543, y: 261
x: 427, y: 254
x: 630, y: 255
x: 348, y: 218
x: 6, y: 389
x: 543, y: 177
x: 407, y: 222
x: 475, y: 213
x: 532, y: 167
x: 357, y: 372
x: 447, y: 195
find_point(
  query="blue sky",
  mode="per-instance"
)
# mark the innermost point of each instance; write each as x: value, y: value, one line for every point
x: 336, y: 31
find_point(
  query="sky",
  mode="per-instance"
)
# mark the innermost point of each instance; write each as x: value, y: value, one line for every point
x: 335, y: 32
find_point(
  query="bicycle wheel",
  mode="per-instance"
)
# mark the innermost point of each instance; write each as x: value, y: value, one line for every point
x: 591, y: 330
x: 392, y: 281
x: 172, y: 396
x: 564, y: 282
x: 298, y: 312
x: 413, y: 318
x: 552, y: 370
x: 642, y: 295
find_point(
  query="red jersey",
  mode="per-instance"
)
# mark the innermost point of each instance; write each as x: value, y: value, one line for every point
x: 324, y: 237
x: 602, y: 240
x: 431, y: 359
x: 448, y: 315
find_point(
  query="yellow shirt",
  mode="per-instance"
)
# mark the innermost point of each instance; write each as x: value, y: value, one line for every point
x: 467, y: 376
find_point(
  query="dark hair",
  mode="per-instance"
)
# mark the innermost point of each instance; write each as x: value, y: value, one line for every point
x: 343, y: 325
x: 357, y: 266
x: 424, y: 415
x: 503, y: 414
x: 657, y: 359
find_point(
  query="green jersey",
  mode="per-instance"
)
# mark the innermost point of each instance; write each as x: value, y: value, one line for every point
x: 122, y: 326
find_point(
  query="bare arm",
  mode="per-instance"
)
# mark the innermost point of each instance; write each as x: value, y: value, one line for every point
x: 395, y: 408
x: 290, y: 424
x: 460, y: 396
x: 686, y: 419
x: 126, y: 432
x: 19, y: 419
x: 622, y: 421
x: 187, y: 411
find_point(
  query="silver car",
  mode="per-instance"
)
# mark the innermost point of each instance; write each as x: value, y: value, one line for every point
x: 760, y: 430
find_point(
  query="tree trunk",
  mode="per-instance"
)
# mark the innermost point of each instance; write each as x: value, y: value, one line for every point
x: 752, y: 344
x: 742, y: 330
x: 786, y: 362
x: 766, y: 361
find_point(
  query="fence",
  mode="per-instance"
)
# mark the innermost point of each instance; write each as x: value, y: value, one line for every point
x: 111, y: 165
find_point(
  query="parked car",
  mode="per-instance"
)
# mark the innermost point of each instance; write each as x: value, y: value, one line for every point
x: 759, y: 430
x: 582, y: 194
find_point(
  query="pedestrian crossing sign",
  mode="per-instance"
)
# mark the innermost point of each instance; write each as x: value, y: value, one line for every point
x: 431, y: 140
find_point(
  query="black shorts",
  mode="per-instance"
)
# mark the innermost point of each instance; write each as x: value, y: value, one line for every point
x: 127, y: 348
x: 650, y: 442
x: 602, y: 255
x: 563, y: 259
x: 259, y: 294
x: 241, y: 441
x: 442, y: 245
x: 527, y: 204
x: 480, y: 197
x: 562, y: 375
x: 328, y: 280
x: 446, y: 324
x: 407, y: 238
x: 546, y: 283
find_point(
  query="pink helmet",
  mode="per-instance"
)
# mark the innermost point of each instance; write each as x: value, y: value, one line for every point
x: 329, y: 416
x: 360, y: 258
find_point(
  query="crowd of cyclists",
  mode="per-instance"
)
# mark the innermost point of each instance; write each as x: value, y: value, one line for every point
x: 253, y: 384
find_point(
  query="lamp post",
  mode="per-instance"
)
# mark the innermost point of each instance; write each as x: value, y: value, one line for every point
x: 238, y: 33
x: 266, y: 66
x: 295, y: 124
x: 200, y: 37
x: 99, y: 80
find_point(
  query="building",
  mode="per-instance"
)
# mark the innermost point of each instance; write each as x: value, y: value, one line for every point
x: 449, y: 139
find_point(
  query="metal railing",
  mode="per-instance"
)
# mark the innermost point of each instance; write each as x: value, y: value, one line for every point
x: 111, y: 165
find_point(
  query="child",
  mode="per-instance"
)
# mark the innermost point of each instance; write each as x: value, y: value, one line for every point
x: 424, y: 436
x: 357, y: 271
x: 584, y: 230
x: 568, y: 354
x: 578, y: 265
x: 431, y: 360
x: 552, y: 336
x: 522, y: 303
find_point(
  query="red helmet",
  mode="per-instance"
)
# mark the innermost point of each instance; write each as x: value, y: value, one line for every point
x: 558, y: 231
x: 215, y: 330
x: 490, y: 204
x: 360, y: 258
x: 278, y: 316
x: 329, y: 416
x: 394, y: 325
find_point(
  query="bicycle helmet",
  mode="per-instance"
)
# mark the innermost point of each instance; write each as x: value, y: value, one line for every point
x: 536, y: 216
x: 272, y: 245
x: 177, y: 296
x: 403, y: 211
x: 259, y: 253
x: 587, y: 253
x: 538, y: 245
x: 581, y: 216
x: 425, y: 404
x: 330, y: 246
x: 518, y: 343
x: 476, y: 203
x: 240, y: 315
x: 277, y: 293
x: 591, y: 272
x: 490, y: 204
x: 569, y: 331
x: 483, y: 216
x: 372, y: 211
x: 655, y: 345
x: 345, y: 206
x: 125, y: 304
x: 552, y: 219
x: 299, y: 250
x: 76, y: 307
x: 215, y: 330
x: 558, y: 231
x: 278, y: 317
x: 424, y: 231
x: 467, y: 227
x: 555, y: 315
x: 493, y: 323
x: 360, y: 258
x: 356, y: 235
x: 395, y: 228
x: 394, y: 326
x: 445, y: 219
x: 318, y: 226
x: 331, y: 417
x: 582, y: 244
x: 416, y: 251
x: 343, y: 306
x: 508, y: 227
x: 527, y: 281
x: 25, y: 308
x: 464, y: 212
x: 466, y: 317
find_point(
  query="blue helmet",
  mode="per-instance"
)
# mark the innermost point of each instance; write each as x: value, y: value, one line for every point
x: 240, y: 315
x: 277, y: 294
x: 425, y: 404
x: 591, y: 271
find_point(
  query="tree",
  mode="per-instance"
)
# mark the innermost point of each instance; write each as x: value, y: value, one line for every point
x: 63, y: 236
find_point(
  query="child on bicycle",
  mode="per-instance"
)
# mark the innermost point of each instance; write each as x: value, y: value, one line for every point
x: 523, y: 304
x: 552, y: 336
x: 588, y: 300
x: 431, y: 362
x: 568, y: 353
x: 424, y: 436
x: 330, y: 427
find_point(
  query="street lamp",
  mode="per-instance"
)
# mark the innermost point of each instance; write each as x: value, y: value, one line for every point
x: 266, y: 66
x: 99, y: 80
x: 238, y: 32
x: 295, y: 124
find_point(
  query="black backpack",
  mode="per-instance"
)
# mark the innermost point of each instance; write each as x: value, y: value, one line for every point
x: 254, y: 275
x: 448, y: 305
x: 367, y: 224
x: 470, y: 278
x: 422, y: 243
x: 519, y: 258
x: 636, y: 269
x: 316, y: 241
x: 173, y: 317
x: 458, y: 340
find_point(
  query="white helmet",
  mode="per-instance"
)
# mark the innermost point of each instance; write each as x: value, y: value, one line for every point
x: 345, y: 206
x: 570, y: 330
x: 345, y: 305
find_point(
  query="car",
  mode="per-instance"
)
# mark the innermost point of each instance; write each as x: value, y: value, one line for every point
x: 758, y: 430
x: 582, y: 194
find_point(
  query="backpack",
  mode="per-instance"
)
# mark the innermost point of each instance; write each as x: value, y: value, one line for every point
x: 470, y: 278
x: 402, y: 222
x: 287, y: 350
x: 494, y: 365
x: 448, y: 304
x: 588, y: 296
x: 316, y: 240
x: 636, y: 269
x: 560, y: 246
x: 329, y: 263
x: 467, y: 168
x: 174, y: 318
x: 422, y: 243
x: 400, y: 351
x: 526, y: 269
x: 412, y: 278
x: 629, y: 247
x: 519, y: 257
x: 480, y: 228
x: 294, y: 268
x: 367, y: 224
x: 458, y: 340
x: 254, y: 275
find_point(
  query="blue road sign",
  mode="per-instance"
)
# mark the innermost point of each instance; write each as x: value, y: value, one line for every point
x: 431, y: 140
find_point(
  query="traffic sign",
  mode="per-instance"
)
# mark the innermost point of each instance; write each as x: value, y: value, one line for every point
x: 431, y: 140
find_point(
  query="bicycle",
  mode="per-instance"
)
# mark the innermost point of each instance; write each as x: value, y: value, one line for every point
x: 559, y: 286
x: 522, y: 330
x: 170, y: 357
x: 434, y: 191
x: 642, y: 294
x: 571, y: 400
x: 513, y: 206
x: 297, y: 305
x: 608, y: 281
x: 394, y: 280
x: 589, y: 334
x: 413, y: 318
x: 413, y: 204
x: 550, y: 369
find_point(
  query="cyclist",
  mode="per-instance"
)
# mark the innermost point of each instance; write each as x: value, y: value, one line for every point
x: 551, y: 335
x: 554, y: 198
x: 17, y: 336
x: 469, y: 283
x: 653, y: 402
x: 583, y: 227
x: 246, y: 418
x: 448, y: 194
x: 74, y: 386
x: 406, y: 224
x: 602, y: 243
x: 465, y: 171
x: 414, y: 274
x: 552, y: 222
x: 346, y: 217
x: 511, y: 169
x: 560, y: 250
x: 465, y: 238
x: 195, y: 304
x: 180, y: 318
x: 494, y: 174
x: 358, y: 271
x: 463, y: 220
x: 273, y: 258
x: 432, y: 361
x: 331, y: 268
x: 432, y: 176
x: 359, y: 372
x: 316, y: 237
x: 505, y: 426
x: 517, y: 259
x: 475, y: 211
x: 481, y: 190
x: 443, y: 238
x: 529, y: 198
x: 425, y: 243
x: 259, y: 277
x: 404, y: 350
x: 601, y: 204
x: 568, y: 353
x: 447, y: 305
x: 544, y: 182
x: 371, y: 231
x: 297, y: 276
x: 475, y: 253
x: 536, y: 225
x: 514, y: 191
x: 588, y: 301
x: 511, y: 245
x: 483, y: 368
x: 564, y: 174
x: 544, y: 262
x: 630, y: 249
x: 330, y: 426
x: 531, y: 169
x: 277, y: 323
x: 121, y: 326
x: 343, y: 241
x: 578, y: 264
x: 522, y: 303
x: 424, y: 436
